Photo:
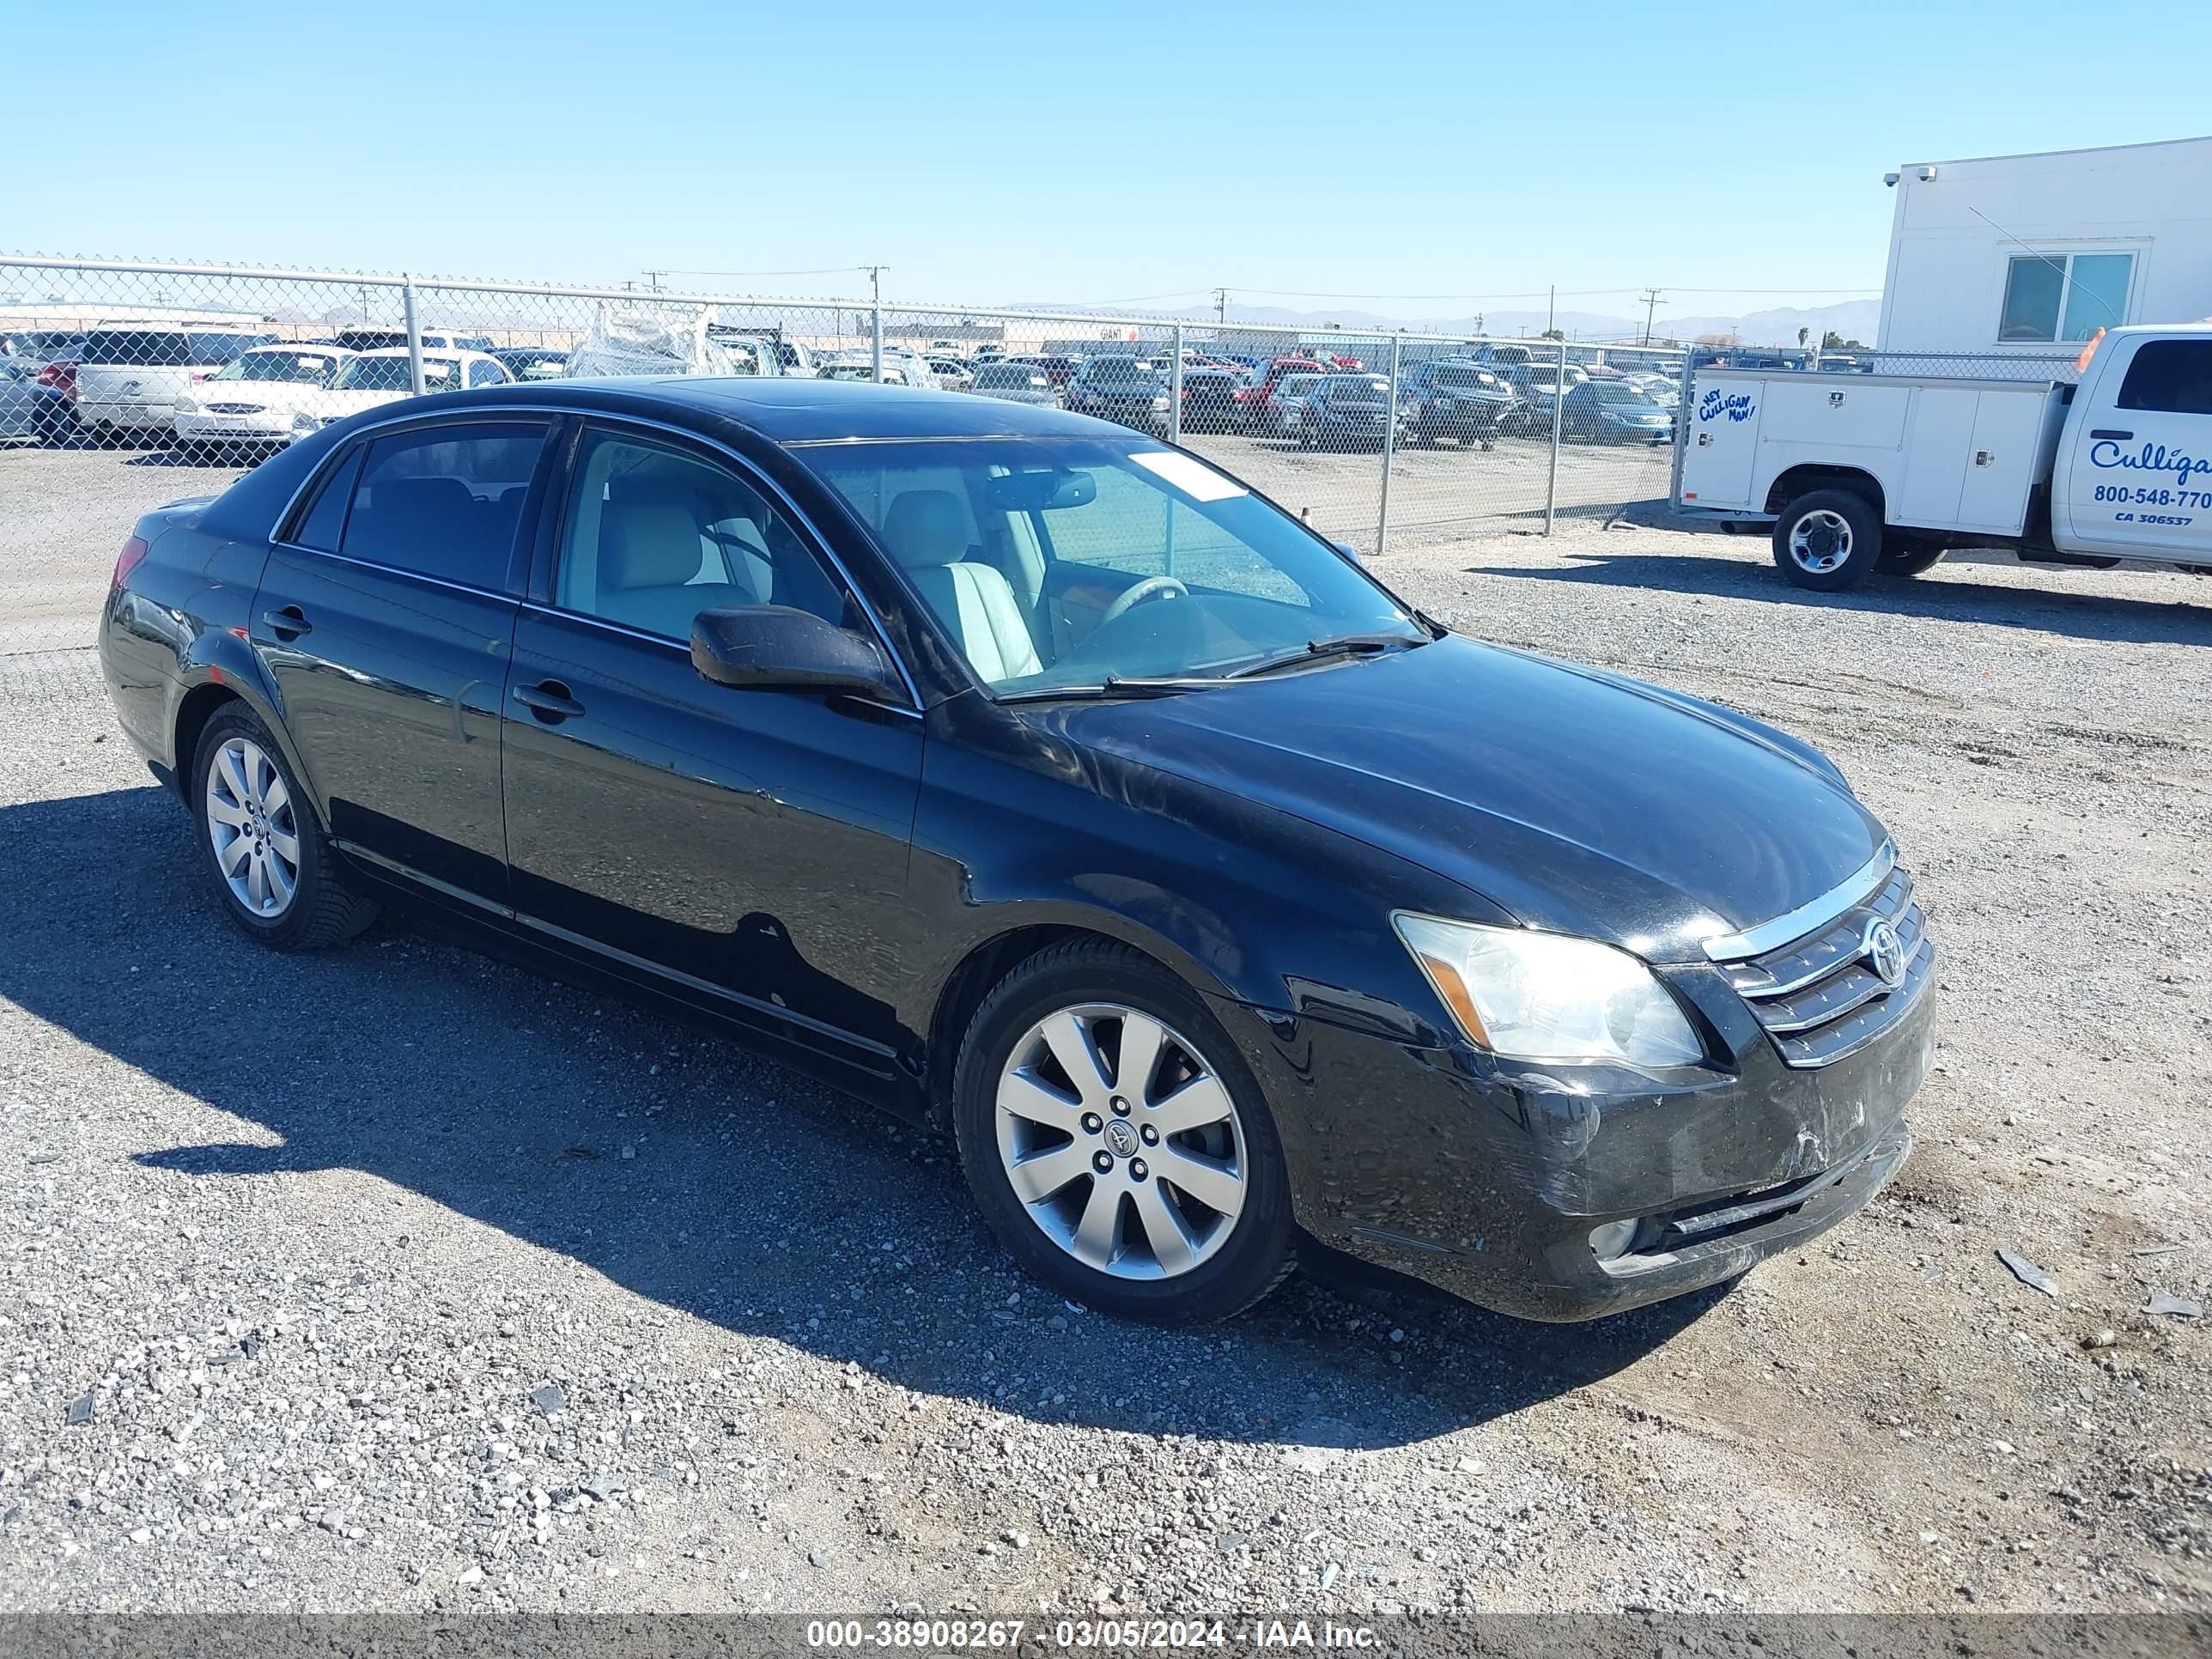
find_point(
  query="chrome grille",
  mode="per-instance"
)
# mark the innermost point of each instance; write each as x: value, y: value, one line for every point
x: 1819, y: 997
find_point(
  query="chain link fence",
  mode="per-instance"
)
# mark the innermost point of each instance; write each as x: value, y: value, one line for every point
x: 1385, y: 440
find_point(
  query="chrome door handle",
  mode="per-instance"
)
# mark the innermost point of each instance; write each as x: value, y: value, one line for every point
x: 548, y: 700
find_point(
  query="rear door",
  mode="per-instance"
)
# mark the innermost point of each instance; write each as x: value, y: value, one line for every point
x: 743, y: 849
x: 2135, y: 478
x: 385, y: 618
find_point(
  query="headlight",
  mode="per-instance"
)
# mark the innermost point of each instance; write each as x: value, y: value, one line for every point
x: 1547, y: 996
x: 1160, y: 402
x: 186, y: 406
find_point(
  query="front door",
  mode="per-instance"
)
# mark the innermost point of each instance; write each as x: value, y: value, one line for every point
x: 2137, y: 474
x: 384, y: 621
x: 746, y: 849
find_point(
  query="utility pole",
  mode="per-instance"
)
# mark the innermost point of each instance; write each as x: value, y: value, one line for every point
x: 1552, y: 311
x: 652, y: 279
x: 1221, y: 307
x: 875, y: 312
x: 1650, y: 304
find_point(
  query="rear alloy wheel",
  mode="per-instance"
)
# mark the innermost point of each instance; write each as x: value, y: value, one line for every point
x: 275, y: 870
x: 1827, y: 540
x: 1116, y: 1143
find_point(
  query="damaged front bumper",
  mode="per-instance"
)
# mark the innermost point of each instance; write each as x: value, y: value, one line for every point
x: 1568, y: 1193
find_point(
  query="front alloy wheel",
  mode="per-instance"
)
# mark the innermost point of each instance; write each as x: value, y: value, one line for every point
x: 1116, y: 1134
x: 1116, y: 1142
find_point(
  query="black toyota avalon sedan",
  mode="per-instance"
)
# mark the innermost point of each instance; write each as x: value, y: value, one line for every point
x: 1048, y: 786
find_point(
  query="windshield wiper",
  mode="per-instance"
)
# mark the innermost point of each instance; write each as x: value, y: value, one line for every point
x: 1343, y: 645
x: 1114, y: 685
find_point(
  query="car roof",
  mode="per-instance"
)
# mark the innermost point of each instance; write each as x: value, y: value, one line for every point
x: 792, y: 410
x: 444, y: 354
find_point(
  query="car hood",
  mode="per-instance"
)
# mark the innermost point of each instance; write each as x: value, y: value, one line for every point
x: 1575, y: 801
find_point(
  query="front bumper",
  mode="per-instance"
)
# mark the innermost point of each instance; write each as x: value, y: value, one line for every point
x: 1486, y: 1178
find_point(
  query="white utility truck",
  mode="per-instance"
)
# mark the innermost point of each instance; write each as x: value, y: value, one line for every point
x: 1865, y: 473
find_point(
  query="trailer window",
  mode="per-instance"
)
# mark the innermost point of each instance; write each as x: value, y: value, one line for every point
x: 2170, y: 376
x: 2052, y: 297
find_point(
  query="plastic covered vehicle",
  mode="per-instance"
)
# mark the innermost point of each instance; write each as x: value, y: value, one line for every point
x: 660, y: 340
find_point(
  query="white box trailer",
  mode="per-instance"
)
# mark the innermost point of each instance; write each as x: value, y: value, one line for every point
x: 1859, y: 472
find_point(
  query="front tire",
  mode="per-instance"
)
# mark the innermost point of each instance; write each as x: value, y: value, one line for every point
x: 1827, y: 540
x: 274, y: 871
x: 1115, y: 1142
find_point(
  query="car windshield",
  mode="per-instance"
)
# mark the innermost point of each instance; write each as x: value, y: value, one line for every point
x: 1295, y: 386
x: 1118, y: 369
x: 1358, y: 388
x: 1068, y: 563
x: 297, y: 368
x: 390, y: 374
x: 1025, y: 380
x: 1614, y: 391
x: 1463, y: 377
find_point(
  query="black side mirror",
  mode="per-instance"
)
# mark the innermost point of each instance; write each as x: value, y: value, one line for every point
x: 773, y: 647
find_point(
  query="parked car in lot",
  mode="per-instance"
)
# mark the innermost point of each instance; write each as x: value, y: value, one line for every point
x: 532, y: 362
x: 28, y: 410
x: 1017, y: 383
x: 1261, y: 412
x: 1614, y: 412
x: 952, y: 374
x: 1120, y: 389
x: 1664, y: 390
x: 130, y: 378
x: 34, y: 348
x: 1538, y: 390
x: 1209, y: 399
x: 1216, y: 895
x: 895, y: 373
x: 1452, y: 398
x: 1285, y: 408
x: 1344, y: 411
x: 263, y: 398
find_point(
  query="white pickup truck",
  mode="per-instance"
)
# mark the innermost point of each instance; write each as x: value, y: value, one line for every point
x: 1865, y: 473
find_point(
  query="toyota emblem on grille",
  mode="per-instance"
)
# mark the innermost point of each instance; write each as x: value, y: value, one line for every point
x: 1884, y: 951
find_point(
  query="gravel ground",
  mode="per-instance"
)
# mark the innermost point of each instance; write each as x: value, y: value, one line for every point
x: 393, y: 1278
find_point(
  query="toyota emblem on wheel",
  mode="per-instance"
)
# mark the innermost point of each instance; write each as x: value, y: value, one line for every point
x: 1884, y: 951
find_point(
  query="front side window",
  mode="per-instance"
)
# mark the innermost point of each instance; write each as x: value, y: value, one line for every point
x: 1024, y: 548
x: 444, y: 501
x: 484, y: 374
x: 2051, y: 298
x: 2171, y: 377
x: 653, y: 535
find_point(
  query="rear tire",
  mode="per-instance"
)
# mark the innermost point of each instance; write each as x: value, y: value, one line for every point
x: 250, y: 812
x: 1827, y: 540
x: 1903, y: 558
x: 1130, y: 1240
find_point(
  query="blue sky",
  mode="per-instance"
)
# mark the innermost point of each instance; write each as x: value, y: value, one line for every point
x: 1413, y: 160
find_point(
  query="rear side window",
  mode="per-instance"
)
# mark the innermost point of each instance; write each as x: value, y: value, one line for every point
x: 445, y: 501
x: 137, y: 347
x: 327, y: 517
x: 2173, y: 377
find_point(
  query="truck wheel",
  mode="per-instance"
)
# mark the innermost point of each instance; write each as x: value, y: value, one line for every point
x: 1827, y: 540
x: 1904, y: 558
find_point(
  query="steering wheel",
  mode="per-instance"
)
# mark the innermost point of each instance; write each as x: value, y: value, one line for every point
x: 1152, y: 588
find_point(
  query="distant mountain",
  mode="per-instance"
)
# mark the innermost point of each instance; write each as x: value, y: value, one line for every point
x: 1854, y: 319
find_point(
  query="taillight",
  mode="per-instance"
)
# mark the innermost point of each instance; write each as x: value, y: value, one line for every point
x: 133, y: 553
x: 62, y: 377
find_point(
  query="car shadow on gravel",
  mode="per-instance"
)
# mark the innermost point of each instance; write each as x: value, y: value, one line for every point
x: 680, y: 1167
x: 1950, y: 595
